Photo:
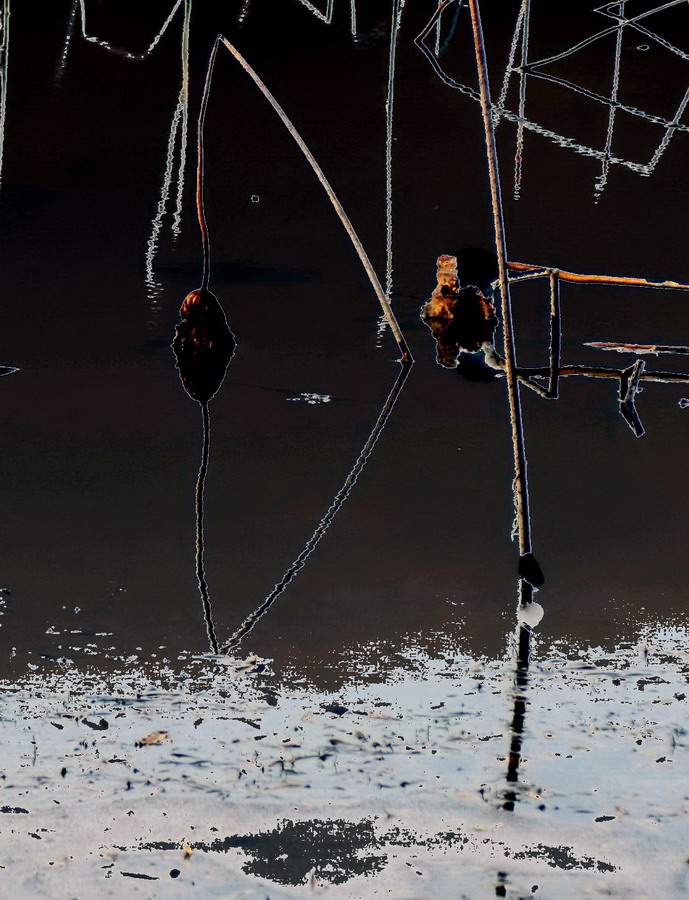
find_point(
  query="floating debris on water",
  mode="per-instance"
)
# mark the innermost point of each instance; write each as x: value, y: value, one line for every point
x: 311, y: 399
x: 155, y: 737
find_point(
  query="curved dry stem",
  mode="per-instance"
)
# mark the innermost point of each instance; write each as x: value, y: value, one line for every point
x: 337, y: 206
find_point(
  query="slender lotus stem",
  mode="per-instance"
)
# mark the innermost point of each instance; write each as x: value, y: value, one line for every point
x: 200, y: 571
x: 205, y: 240
x: 406, y: 358
x: 519, y: 451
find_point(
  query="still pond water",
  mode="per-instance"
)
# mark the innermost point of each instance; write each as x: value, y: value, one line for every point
x: 379, y: 718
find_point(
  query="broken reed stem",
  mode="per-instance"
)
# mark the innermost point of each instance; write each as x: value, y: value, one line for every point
x: 205, y: 240
x: 543, y: 272
x: 406, y: 358
x: 653, y: 349
x: 200, y: 572
x: 519, y: 451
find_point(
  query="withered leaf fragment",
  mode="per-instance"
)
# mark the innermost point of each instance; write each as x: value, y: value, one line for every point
x: 203, y: 344
x: 155, y: 737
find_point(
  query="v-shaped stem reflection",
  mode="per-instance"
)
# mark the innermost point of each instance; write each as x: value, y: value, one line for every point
x: 330, y: 514
x: 204, y: 345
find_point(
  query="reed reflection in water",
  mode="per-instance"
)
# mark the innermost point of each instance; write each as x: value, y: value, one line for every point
x: 527, y: 68
x: 203, y: 346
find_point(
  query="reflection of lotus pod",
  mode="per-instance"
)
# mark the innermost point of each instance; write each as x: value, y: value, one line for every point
x: 203, y: 345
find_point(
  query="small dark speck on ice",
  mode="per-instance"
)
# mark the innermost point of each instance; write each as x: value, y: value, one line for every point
x: 140, y: 875
x: 336, y: 708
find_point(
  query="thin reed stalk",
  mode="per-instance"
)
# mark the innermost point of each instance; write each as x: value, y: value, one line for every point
x: 519, y: 451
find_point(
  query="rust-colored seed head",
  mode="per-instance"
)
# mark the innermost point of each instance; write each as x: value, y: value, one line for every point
x: 203, y: 344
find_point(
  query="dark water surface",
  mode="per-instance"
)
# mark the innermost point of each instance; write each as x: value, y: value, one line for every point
x: 411, y: 593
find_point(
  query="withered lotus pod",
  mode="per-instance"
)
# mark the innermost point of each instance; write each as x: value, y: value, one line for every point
x: 203, y: 344
x: 461, y: 318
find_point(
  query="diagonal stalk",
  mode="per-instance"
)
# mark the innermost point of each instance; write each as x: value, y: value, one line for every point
x: 406, y: 358
x: 519, y: 450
